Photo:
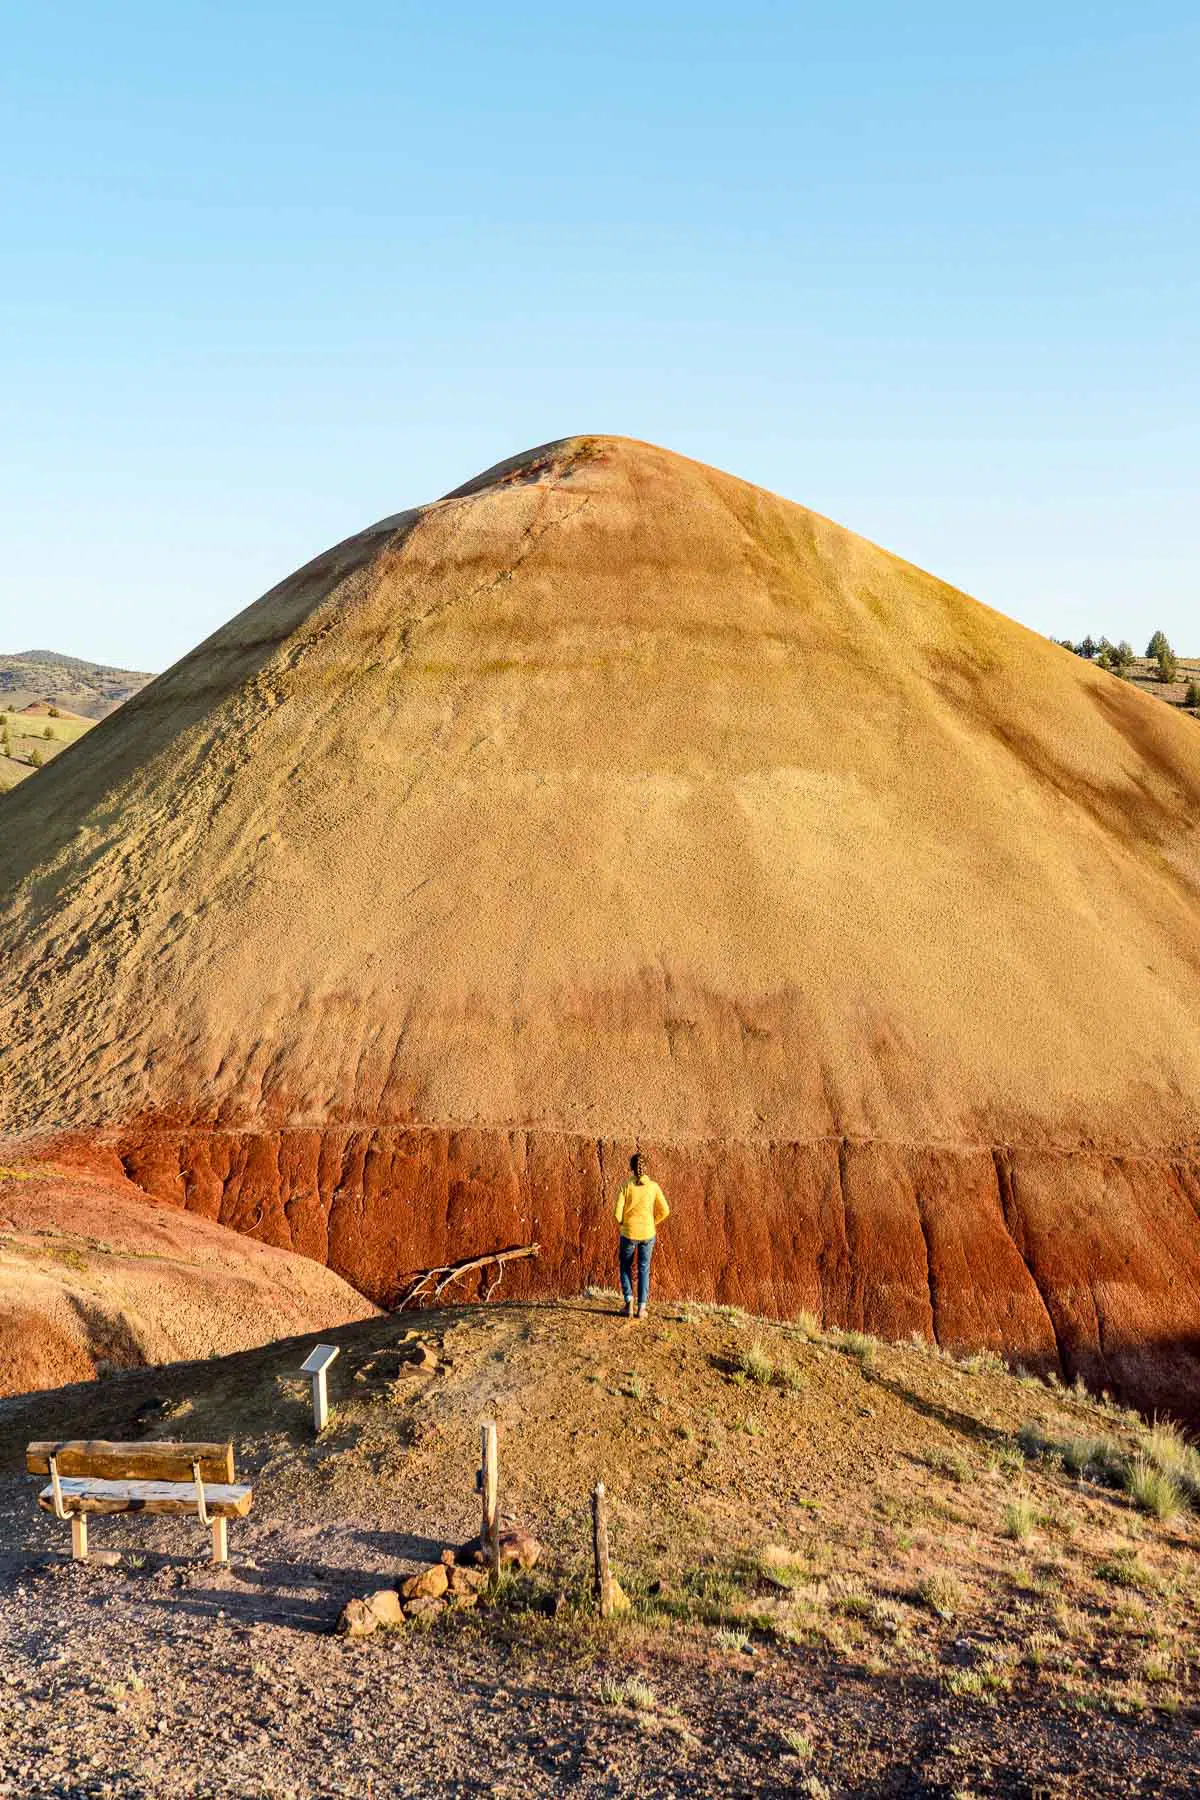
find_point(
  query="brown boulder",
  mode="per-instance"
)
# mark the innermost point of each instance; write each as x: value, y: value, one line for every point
x: 385, y: 1604
x: 357, y: 1620
x: 416, y: 1356
x: 467, y: 1581
x: 430, y: 1584
x: 518, y: 1550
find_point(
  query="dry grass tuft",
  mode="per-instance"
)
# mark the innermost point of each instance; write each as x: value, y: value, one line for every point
x: 632, y: 1695
x: 1094, y: 1459
x: 1125, y: 1569
x: 862, y: 1347
x: 978, y: 1684
x: 782, y: 1567
x: 1171, y: 1451
x: 1020, y: 1519
x: 1161, y: 1477
x: 952, y: 1464
x: 756, y: 1365
x: 1153, y: 1491
x: 942, y: 1594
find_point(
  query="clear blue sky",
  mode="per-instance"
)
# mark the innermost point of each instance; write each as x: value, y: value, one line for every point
x: 268, y: 272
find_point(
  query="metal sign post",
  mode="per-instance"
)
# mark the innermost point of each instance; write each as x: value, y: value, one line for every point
x: 317, y: 1365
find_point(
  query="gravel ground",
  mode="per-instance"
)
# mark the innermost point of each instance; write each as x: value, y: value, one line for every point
x: 177, y: 1679
x: 163, y: 1677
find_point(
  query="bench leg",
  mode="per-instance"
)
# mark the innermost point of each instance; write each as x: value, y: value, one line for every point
x: 220, y: 1536
x: 79, y: 1536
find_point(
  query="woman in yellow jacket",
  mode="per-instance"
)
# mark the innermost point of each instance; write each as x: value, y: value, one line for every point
x: 641, y: 1208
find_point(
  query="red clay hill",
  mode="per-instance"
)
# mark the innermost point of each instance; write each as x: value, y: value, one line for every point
x: 610, y: 799
x: 94, y: 1275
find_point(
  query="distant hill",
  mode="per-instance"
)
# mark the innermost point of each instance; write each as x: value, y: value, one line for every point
x: 34, y: 735
x: 48, y: 700
x: 1180, y: 692
x: 1162, y: 673
x: 93, y: 689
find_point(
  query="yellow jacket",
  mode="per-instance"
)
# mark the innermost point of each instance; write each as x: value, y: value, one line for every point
x: 641, y: 1208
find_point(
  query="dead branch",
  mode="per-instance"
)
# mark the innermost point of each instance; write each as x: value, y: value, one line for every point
x: 447, y: 1273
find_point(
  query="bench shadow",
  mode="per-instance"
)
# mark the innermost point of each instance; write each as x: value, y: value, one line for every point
x: 305, y: 1595
x: 311, y: 1616
x: 401, y: 1545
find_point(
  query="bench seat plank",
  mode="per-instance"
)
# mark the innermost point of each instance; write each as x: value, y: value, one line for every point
x: 222, y: 1500
x: 165, y: 1459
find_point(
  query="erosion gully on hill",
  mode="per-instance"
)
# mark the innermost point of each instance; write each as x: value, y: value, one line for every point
x: 848, y: 1577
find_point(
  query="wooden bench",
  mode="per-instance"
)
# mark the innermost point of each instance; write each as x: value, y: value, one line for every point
x: 161, y: 1477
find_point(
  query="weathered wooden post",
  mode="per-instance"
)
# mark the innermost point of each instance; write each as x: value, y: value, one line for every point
x: 603, y: 1576
x: 489, y: 1487
x: 317, y: 1365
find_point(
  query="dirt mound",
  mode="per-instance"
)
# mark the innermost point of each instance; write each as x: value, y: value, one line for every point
x: 608, y: 799
x: 911, y: 1574
x: 95, y: 1276
x: 43, y: 709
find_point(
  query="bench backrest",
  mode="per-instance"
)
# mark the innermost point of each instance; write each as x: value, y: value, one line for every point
x: 163, y: 1460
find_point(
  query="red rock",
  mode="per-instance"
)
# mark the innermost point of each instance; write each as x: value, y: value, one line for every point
x: 517, y: 1550
x: 132, y: 1258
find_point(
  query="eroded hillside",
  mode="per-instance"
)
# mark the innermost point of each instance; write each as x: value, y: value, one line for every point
x: 613, y: 800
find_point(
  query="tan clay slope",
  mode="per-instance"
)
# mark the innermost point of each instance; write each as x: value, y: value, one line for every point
x: 94, y: 1276
x: 613, y: 797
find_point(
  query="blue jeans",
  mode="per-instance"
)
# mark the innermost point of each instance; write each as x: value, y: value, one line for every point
x: 631, y: 1252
